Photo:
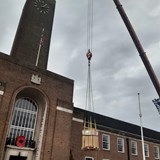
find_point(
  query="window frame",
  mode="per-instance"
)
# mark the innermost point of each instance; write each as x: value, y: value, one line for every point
x: 120, y: 145
x: 107, y: 142
x: 134, y: 148
x: 156, y: 153
x: 146, y: 149
x: 22, y: 126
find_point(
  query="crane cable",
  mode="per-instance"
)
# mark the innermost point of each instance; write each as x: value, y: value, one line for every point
x: 89, y: 96
x: 89, y: 105
x: 89, y: 24
x: 90, y: 133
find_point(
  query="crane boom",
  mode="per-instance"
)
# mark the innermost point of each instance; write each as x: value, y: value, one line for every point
x: 138, y: 46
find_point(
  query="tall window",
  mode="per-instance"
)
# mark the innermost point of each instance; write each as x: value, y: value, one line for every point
x: 24, y: 119
x: 120, y: 145
x: 156, y: 152
x: 146, y: 150
x: 134, y: 147
x: 105, y: 142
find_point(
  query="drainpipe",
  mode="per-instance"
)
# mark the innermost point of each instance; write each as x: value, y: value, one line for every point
x: 128, y: 149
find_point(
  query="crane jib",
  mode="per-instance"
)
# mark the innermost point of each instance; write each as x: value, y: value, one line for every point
x: 139, y: 47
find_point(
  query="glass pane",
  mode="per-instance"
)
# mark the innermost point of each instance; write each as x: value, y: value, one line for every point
x: 24, y: 118
x: 14, y: 117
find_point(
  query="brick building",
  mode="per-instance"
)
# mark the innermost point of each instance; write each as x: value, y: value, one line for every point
x: 117, y: 140
x: 38, y: 120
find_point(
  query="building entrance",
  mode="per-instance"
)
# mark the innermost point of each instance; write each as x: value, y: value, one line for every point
x: 17, y: 158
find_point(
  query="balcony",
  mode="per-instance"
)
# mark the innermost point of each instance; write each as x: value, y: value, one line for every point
x: 28, y: 143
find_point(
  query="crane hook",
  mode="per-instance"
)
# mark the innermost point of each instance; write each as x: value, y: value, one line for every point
x: 89, y: 55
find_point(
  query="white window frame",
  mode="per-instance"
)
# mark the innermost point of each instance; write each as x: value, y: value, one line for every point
x: 91, y: 158
x: 16, y: 128
x: 107, y: 142
x: 121, y: 140
x: 156, y: 152
x: 146, y: 149
x: 134, y: 149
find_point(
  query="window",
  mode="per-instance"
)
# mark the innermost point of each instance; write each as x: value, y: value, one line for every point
x: 105, y: 142
x: 120, y: 145
x: 146, y: 150
x: 156, y: 152
x: 89, y: 158
x: 24, y: 120
x: 134, y: 148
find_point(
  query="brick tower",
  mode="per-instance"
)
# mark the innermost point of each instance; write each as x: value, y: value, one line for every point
x: 35, y: 104
x: 35, y: 25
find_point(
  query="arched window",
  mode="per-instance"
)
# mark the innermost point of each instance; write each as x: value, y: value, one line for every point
x: 23, y: 120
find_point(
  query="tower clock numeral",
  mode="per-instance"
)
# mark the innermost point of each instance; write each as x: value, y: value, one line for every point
x: 41, y: 6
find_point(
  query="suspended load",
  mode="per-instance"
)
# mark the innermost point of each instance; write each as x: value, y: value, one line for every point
x: 90, y: 136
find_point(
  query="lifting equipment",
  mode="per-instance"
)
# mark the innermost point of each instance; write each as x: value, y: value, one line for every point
x: 139, y: 47
x: 89, y: 132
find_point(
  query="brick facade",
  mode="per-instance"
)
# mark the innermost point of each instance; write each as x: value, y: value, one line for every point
x: 62, y: 130
x: 57, y: 91
x: 115, y: 129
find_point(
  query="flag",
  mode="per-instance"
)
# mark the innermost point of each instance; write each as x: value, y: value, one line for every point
x: 42, y: 38
x: 157, y: 104
x: 40, y: 45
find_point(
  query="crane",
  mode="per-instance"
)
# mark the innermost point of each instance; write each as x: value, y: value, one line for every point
x: 138, y: 45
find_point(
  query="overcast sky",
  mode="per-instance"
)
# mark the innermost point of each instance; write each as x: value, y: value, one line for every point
x: 118, y: 73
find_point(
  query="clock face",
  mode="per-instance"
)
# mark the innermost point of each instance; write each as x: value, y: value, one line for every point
x: 41, y: 6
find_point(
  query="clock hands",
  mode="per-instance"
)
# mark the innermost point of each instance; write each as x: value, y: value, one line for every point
x: 44, y: 6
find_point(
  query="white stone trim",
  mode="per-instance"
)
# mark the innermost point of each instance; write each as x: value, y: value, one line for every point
x: 15, y: 151
x: 64, y: 109
x: 20, y: 148
x: 1, y: 92
x: 77, y: 120
x: 39, y: 146
x: 36, y: 79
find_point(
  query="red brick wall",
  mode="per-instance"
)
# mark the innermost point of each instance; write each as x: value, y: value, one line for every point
x: 54, y: 87
x: 112, y: 154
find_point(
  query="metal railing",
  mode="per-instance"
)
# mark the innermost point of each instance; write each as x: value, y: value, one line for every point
x: 28, y: 143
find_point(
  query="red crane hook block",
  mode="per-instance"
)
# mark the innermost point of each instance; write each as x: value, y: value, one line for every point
x: 89, y: 55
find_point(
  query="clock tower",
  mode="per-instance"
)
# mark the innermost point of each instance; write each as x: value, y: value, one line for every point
x: 32, y: 40
x: 36, y: 105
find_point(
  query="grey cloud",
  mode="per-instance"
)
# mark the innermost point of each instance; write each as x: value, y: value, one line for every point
x: 118, y: 73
